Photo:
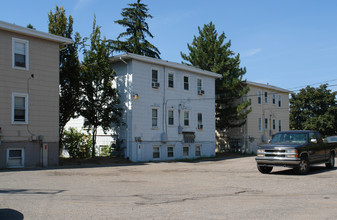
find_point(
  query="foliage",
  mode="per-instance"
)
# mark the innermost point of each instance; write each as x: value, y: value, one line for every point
x: 209, y: 52
x: 69, y: 67
x: 31, y: 26
x: 136, y: 30
x: 105, y: 150
x: 76, y: 143
x: 314, y: 109
x: 100, y: 104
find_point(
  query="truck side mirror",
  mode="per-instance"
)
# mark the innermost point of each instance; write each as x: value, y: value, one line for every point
x: 313, y: 141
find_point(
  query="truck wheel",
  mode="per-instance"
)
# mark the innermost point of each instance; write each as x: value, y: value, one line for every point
x: 264, y: 169
x: 303, y: 167
x: 331, y: 162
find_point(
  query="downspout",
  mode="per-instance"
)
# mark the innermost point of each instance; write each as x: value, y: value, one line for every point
x: 127, y: 153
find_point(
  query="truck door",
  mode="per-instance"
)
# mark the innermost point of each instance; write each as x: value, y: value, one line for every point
x: 313, y: 148
x: 322, y: 150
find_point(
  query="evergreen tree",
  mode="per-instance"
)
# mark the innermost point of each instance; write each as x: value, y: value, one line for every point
x: 99, y: 101
x: 69, y: 105
x: 137, y: 29
x: 209, y: 52
x: 314, y: 109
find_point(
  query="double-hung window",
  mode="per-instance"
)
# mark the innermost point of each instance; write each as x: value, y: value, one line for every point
x: 19, y: 108
x: 155, y: 83
x: 171, y: 80
x: 200, y: 126
x: 170, y: 151
x: 259, y: 124
x: 266, y: 123
x: 199, y: 85
x: 265, y: 97
x: 170, y: 117
x: 198, y: 151
x: 186, y: 118
x: 156, y: 152
x: 279, y: 101
x: 154, y: 118
x: 259, y: 97
x: 20, y: 53
x: 274, y: 99
x: 186, y: 83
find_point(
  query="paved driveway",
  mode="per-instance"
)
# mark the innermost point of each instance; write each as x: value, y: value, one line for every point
x: 225, y: 189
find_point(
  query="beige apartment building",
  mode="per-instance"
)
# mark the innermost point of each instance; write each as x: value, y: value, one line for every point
x: 29, y: 96
x: 269, y: 115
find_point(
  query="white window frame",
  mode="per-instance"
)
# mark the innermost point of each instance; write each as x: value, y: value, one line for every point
x: 280, y: 125
x: 188, y: 83
x: 188, y: 151
x: 259, y: 124
x: 168, y: 80
x: 25, y: 95
x: 274, y: 99
x: 26, y: 42
x: 279, y: 102
x: 168, y: 117
x: 153, y: 151
x: 259, y: 97
x: 198, y: 153
x: 154, y: 69
x: 266, y: 124
x: 168, y: 152
x: 199, y: 119
x: 199, y: 87
x: 187, y: 118
x: 22, y: 157
x: 152, y: 117
x: 274, y: 124
x: 265, y: 95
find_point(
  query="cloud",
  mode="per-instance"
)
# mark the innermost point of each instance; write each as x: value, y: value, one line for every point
x: 251, y: 52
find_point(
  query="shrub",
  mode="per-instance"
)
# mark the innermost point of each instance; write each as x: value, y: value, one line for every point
x: 77, y: 144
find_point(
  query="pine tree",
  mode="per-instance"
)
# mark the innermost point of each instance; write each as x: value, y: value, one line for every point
x: 69, y: 68
x: 99, y: 101
x: 209, y: 52
x: 137, y: 29
x: 314, y: 109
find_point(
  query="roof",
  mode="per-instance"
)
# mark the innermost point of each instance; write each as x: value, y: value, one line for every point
x: 146, y: 59
x: 34, y: 33
x: 267, y: 86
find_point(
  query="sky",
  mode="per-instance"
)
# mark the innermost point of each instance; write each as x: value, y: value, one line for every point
x: 285, y: 43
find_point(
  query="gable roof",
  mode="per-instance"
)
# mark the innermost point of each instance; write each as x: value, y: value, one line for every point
x: 267, y: 86
x: 146, y: 59
x: 34, y: 33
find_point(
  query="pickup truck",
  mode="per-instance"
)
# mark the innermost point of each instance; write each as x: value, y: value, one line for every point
x: 295, y: 149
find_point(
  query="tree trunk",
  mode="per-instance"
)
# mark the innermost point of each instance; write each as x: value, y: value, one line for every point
x: 94, y: 132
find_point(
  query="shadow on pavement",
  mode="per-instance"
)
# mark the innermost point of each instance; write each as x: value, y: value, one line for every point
x: 10, y: 214
x: 313, y: 170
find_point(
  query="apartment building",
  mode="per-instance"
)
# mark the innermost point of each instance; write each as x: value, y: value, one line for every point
x: 269, y: 115
x: 169, y: 109
x: 29, y: 96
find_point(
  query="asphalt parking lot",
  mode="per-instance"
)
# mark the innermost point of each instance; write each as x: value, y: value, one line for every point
x: 222, y: 189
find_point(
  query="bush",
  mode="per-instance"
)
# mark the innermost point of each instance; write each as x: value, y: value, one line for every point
x: 77, y: 144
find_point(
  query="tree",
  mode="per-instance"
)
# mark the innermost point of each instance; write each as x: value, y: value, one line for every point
x: 69, y: 68
x: 99, y: 101
x: 31, y: 26
x: 209, y: 52
x: 314, y: 109
x: 76, y: 143
x: 137, y: 30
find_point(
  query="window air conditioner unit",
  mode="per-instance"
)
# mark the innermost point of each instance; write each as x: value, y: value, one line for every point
x: 200, y: 126
x: 155, y: 85
x: 201, y: 92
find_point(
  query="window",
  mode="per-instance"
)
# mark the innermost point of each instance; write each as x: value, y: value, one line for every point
x: 280, y: 125
x: 186, y: 84
x: 171, y: 80
x: 186, y: 118
x: 199, y: 84
x: 279, y: 101
x: 260, y: 124
x: 171, y: 117
x: 156, y: 151
x: 19, y: 108
x: 274, y: 99
x: 200, y: 126
x: 20, y: 54
x: 15, y: 157
x: 274, y: 124
x: 154, y: 76
x: 154, y: 118
x: 185, y: 151
x: 266, y: 123
x: 265, y: 97
x: 170, y: 151
x: 197, y: 151
x: 259, y: 97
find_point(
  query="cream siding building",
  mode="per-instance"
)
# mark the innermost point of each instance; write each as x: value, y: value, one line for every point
x: 29, y: 96
x: 269, y: 115
x: 169, y: 109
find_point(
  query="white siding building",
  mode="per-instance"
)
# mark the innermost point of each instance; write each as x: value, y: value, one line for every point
x: 169, y: 109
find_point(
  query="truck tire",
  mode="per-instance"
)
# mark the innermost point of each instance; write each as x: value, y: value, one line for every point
x: 331, y: 162
x: 304, y: 166
x: 264, y: 169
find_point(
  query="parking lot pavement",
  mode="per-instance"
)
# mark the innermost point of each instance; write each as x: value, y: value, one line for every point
x: 223, y: 189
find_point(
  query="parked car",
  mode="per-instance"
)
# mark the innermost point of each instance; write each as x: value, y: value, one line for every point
x: 296, y: 149
x: 332, y: 139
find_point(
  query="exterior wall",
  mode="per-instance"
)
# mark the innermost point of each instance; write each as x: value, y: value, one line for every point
x: 43, y: 98
x: 250, y: 133
x: 138, y: 112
